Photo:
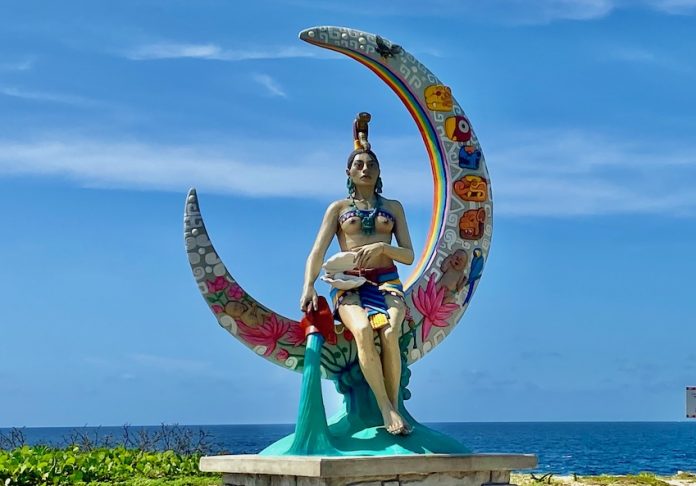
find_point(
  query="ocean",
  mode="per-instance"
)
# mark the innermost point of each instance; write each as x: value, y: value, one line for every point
x: 584, y: 448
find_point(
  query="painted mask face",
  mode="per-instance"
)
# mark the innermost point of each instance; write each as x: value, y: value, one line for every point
x: 438, y: 97
x: 364, y: 170
x: 471, y: 224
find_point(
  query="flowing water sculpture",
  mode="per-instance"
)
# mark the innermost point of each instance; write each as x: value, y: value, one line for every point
x: 435, y: 295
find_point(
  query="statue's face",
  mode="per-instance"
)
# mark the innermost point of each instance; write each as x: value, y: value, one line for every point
x: 364, y: 170
x: 459, y: 259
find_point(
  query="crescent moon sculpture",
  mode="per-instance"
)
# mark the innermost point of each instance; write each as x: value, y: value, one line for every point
x: 444, y: 278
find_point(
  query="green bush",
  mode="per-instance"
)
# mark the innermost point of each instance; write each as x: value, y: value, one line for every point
x: 30, y: 466
x: 185, y: 481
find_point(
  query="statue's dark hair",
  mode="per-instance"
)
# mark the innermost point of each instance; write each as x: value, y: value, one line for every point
x: 356, y: 152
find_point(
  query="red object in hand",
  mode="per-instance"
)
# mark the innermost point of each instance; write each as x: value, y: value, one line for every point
x: 320, y: 320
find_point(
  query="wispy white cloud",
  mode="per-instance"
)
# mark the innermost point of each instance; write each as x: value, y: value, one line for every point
x: 568, y: 173
x: 633, y: 54
x: 271, y: 85
x: 544, y: 11
x: 550, y: 10
x: 23, y: 65
x: 427, y: 51
x: 675, y: 7
x: 169, y: 51
x: 541, y: 173
x: 175, y: 50
x: 232, y: 169
x: 640, y: 55
x: 508, y: 11
x: 47, y: 96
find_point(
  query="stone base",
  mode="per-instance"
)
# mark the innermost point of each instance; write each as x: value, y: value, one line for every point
x: 412, y: 470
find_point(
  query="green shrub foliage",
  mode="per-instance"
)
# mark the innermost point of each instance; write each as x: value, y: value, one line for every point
x: 42, y: 465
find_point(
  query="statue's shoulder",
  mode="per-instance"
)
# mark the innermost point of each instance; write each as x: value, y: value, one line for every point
x: 391, y: 204
x: 338, y: 206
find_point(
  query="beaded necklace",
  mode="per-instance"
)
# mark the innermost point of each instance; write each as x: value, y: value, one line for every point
x: 367, y: 216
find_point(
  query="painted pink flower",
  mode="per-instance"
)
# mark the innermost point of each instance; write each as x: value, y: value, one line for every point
x: 430, y: 303
x: 235, y: 292
x: 282, y: 355
x: 267, y: 334
x: 220, y: 283
x: 218, y: 309
x: 296, y: 335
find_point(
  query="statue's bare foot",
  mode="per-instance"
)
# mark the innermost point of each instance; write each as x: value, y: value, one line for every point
x: 395, y: 424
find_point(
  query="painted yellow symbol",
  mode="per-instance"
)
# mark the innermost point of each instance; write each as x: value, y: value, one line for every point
x: 438, y: 97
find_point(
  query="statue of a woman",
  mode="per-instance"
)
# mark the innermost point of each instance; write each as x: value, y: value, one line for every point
x: 364, y: 223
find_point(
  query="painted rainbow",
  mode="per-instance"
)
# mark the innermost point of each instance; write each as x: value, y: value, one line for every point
x: 415, y: 106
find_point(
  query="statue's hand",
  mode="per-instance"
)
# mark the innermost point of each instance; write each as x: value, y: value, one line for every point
x: 368, y: 252
x: 309, y: 300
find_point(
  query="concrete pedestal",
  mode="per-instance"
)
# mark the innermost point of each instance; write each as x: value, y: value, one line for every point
x: 415, y: 470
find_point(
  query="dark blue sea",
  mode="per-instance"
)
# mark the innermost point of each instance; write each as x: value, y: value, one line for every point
x: 562, y: 447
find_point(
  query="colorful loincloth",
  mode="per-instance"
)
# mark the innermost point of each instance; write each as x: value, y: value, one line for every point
x: 380, y: 282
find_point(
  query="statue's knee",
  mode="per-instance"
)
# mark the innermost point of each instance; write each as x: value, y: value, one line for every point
x: 390, y: 333
x: 363, y: 334
x: 396, y: 305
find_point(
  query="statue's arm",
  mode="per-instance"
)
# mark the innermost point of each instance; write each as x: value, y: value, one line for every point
x: 403, y: 253
x: 329, y: 227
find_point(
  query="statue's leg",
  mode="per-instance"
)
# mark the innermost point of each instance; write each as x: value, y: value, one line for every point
x: 391, y: 354
x: 355, y: 319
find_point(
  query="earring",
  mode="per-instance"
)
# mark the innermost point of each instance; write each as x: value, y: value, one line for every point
x: 350, y: 185
x: 378, y: 186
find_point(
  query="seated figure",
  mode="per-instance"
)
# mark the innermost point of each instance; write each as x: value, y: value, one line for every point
x: 365, y: 223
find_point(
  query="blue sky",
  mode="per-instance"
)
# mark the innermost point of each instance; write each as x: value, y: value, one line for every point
x: 585, y: 109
